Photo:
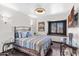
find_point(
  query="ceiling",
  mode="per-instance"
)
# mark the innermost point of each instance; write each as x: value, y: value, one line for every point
x: 28, y: 8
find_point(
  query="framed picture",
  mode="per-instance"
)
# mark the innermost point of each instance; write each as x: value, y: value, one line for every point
x: 41, y: 26
x: 73, y: 21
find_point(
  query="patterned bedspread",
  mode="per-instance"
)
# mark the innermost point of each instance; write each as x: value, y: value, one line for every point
x: 38, y: 43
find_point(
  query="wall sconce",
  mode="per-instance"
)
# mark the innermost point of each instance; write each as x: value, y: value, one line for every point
x: 5, y: 19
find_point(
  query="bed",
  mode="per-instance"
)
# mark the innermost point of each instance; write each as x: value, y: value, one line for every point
x: 30, y: 44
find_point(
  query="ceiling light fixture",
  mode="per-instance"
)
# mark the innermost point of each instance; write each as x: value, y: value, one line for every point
x: 40, y: 10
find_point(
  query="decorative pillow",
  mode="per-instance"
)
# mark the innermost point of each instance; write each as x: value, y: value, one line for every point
x: 29, y: 34
x: 24, y: 34
x: 16, y: 35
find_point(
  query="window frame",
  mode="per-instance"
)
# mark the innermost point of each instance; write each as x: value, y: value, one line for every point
x: 57, y: 22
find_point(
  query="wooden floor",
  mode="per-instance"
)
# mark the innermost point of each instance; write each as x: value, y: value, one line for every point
x: 54, y: 52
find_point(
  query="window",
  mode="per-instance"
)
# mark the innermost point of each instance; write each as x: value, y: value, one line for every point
x: 53, y: 27
x: 57, y: 27
x: 60, y: 27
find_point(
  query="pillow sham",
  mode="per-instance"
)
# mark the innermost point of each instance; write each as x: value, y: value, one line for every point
x: 29, y: 34
x: 24, y: 34
x: 18, y: 35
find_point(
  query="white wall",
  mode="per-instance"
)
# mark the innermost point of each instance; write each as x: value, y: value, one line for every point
x: 5, y: 33
x: 20, y: 20
x: 6, y: 30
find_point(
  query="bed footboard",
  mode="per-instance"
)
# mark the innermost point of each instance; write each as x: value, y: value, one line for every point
x: 28, y: 51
